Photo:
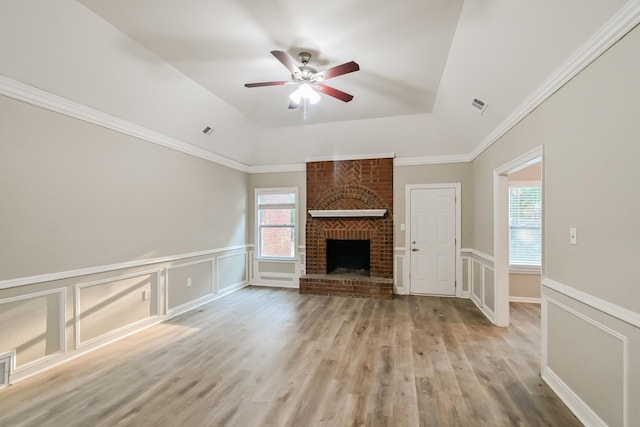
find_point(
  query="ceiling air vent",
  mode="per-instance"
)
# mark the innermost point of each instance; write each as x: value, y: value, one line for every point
x: 479, y: 105
x: 208, y: 130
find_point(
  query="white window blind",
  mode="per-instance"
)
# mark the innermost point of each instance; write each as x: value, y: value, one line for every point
x: 525, y: 225
x: 276, y: 222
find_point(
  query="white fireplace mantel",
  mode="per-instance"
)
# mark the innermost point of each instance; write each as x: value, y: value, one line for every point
x: 353, y: 213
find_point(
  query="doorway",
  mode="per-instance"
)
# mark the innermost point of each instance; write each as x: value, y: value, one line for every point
x: 433, y: 238
x: 501, y: 230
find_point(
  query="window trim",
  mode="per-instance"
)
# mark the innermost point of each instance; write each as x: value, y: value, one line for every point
x: 256, y: 211
x: 521, y: 268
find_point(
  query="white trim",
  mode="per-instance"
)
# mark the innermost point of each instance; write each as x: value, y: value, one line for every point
x: 62, y: 326
x: 276, y: 284
x: 535, y: 184
x: 10, y: 357
x: 290, y: 260
x: 613, y: 30
x: 457, y: 187
x: 293, y: 167
x: 613, y: 310
x: 530, y: 270
x: 212, y: 289
x: 76, y: 305
x: 217, y: 272
x: 431, y: 160
x: 528, y: 300
x: 580, y: 408
x: 190, y: 305
x: 41, y: 98
x: 473, y: 285
x: 398, y: 259
x: 251, y: 259
x: 467, y: 260
x: 477, y: 253
x: 30, y: 280
x: 52, y: 362
x: 346, y: 213
x: 501, y: 230
x: 338, y: 158
x: 256, y: 207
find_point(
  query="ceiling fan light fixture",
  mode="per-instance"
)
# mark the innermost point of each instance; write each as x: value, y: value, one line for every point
x: 309, y: 80
x: 305, y: 91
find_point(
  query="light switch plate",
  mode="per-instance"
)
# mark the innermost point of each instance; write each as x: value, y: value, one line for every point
x: 573, y: 236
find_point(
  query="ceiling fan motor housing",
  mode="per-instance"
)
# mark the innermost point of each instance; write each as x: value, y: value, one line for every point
x: 305, y: 75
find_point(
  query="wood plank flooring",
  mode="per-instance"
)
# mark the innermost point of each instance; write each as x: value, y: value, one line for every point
x: 272, y: 357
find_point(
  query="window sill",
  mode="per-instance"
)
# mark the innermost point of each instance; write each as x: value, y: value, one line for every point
x: 525, y: 269
x: 277, y: 259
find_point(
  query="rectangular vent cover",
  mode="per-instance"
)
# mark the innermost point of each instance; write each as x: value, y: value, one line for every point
x: 479, y: 105
x: 5, y: 369
x: 208, y: 130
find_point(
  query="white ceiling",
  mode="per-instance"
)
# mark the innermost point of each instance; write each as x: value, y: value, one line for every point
x: 422, y: 62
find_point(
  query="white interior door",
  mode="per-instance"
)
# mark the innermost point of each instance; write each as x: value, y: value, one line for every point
x: 433, y: 241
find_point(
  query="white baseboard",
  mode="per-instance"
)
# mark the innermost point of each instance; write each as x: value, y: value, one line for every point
x: 579, y: 408
x: 484, y: 310
x: 95, y: 345
x: 530, y: 300
x: 287, y: 285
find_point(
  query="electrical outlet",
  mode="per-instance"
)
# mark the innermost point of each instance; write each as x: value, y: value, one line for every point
x: 189, y: 282
x: 573, y: 236
x: 146, y: 294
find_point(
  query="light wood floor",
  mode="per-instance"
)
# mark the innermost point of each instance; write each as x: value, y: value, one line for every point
x: 271, y: 357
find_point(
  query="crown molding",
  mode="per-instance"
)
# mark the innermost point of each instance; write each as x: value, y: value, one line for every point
x: 431, y: 160
x: 338, y: 158
x: 41, y: 98
x: 293, y: 167
x: 612, y: 31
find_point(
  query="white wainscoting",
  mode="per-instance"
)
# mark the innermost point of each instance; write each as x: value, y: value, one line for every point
x: 479, y: 278
x: 18, y: 368
x: 224, y: 264
x: 400, y: 272
x: 73, y: 283
x: 79, y: 313
x: 210, y: 287
x: 619, y: 332
x: 278, y: 273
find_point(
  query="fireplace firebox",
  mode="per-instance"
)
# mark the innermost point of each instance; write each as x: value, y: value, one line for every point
x: 348, y: 257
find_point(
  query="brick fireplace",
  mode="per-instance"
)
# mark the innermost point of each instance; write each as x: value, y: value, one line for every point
x: 345, y: 193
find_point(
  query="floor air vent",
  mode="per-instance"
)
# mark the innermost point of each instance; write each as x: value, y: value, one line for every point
x: 5, y: 369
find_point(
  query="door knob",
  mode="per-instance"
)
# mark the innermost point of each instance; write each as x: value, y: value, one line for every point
x: 415, y: 250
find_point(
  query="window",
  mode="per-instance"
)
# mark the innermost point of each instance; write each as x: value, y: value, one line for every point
x: 525, y: 224
x: 276, y: 222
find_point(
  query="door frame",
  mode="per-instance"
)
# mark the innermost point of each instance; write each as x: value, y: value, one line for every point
x: 407, y: 235
x: 501, y: 230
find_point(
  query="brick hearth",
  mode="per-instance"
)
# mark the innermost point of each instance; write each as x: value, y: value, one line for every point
x: 350, y: 184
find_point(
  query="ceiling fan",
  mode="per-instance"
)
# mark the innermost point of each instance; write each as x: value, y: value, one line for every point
x: 309, y: 80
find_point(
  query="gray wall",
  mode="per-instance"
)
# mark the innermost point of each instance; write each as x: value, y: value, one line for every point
x: 76, y: 195
x: 278, y: 179
x: 590, y: 133
x: 432, y: 174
